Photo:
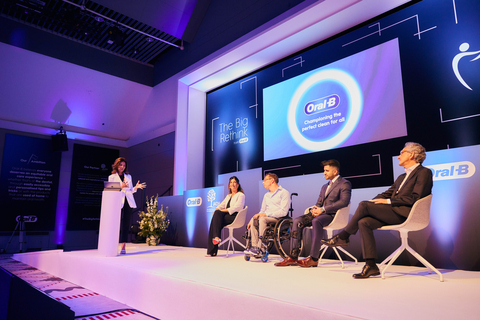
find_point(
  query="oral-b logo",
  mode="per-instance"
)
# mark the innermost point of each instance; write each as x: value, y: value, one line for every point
x: 194, y: 202
x: 322, y: 104
x: 452, y: 170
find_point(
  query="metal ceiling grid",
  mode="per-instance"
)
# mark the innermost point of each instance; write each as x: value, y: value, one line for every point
x: 75, y: 20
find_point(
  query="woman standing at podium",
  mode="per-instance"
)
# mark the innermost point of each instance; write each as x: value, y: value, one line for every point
x: 120, y: 174
x: 225, y: 214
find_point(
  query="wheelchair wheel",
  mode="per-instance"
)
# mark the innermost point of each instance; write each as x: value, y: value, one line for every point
x: 283, y: 230
x: 268, y: 237
x: 247, y: 258
x: 282, y: 237
x: 265, y: 257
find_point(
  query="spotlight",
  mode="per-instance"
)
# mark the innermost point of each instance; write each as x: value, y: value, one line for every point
x: 116, y: 36
x: 59, y: 141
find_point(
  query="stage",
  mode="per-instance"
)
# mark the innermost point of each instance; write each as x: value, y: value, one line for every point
x: 173, y: 283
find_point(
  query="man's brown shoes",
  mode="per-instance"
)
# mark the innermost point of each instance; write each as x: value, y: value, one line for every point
x: 287, y: 262
x: 307, y: 263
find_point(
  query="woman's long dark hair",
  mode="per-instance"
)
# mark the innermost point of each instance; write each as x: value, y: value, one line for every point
x: 238, y: 182
x: 117, y: 163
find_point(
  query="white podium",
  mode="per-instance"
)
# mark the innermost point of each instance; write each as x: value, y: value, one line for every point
x: 110, y: 217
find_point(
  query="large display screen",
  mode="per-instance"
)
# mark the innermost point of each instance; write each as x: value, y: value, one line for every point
x: 354, y: 100
x: 409, y: 75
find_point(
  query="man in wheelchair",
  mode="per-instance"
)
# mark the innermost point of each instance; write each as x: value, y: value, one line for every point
x: 275, y: 205
x: 333, y: 196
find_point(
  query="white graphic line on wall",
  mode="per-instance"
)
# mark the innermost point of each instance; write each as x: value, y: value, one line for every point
x: 212, y: 129
x: 379, y: 31
x: 371, y: 174
x: 282, y: 168
x: 455, y: 12
x: 256, y: 100
x: 456, y: 119
x: 298, y: 63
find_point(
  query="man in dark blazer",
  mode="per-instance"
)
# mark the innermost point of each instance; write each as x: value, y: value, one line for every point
x: 333, y: 196
x: 388, y: 208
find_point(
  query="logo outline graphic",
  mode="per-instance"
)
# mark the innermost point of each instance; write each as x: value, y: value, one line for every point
x: 355, y: 105
x: 464, y: 53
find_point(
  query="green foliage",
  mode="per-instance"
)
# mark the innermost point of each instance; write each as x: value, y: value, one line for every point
x: 154, y: 222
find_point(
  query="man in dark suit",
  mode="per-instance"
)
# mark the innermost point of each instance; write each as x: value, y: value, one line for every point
x: 333, y: 196
x: 388, y: 208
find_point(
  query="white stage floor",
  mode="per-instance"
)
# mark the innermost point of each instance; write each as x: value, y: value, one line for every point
x: 177, y: 283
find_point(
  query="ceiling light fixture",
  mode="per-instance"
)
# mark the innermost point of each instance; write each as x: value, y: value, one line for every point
x: 123, y: 25
x: 116, y: 36
x: 60, y: 141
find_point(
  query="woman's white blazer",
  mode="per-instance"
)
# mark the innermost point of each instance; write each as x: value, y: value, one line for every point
x: 127, y: 192
x: 237, y: 203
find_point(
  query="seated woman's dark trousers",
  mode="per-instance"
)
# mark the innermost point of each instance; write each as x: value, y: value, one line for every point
x: 219, y: 220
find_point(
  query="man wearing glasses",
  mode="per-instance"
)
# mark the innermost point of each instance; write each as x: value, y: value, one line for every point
x: 275, y: 205
x: 388, y: 208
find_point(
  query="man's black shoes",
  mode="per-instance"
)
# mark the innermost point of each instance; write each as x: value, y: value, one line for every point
x: 335, y: 242
x: 367, y: 271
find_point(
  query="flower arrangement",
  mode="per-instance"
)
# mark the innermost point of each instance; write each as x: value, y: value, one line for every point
x: 154, y: 222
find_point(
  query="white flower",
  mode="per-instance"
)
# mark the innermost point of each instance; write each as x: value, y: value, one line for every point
x: 153, y: 222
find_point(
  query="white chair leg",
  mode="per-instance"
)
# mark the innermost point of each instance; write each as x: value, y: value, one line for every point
x: 392, y: 260
x: 396, y: 253
x: 229, y: 243
x: 425, y: 262
x: 230, y: 236
x: 241, y: 244
x: 348, y: 254
x: 225, y: 241
x: 322, y: 249
x: 230, y: 240
x: 340, y: 258
x: 405, y: 246
x: 388, y: 258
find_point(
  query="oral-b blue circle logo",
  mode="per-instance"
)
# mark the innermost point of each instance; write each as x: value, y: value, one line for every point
x: 317, y: 124
x: 322, y: 104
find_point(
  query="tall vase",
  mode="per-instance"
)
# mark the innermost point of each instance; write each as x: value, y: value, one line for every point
x: 153, y: 240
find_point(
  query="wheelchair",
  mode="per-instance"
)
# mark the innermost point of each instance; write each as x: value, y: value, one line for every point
x: 277, y: 234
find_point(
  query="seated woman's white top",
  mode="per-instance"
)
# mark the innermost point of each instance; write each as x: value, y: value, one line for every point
x: 237, y: 203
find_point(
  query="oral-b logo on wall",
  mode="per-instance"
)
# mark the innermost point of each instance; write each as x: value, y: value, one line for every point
x: 322, y: 104
x: 452, y: 170
x: 194, y: 202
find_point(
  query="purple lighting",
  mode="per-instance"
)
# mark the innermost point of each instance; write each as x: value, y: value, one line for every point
x: 60, y: 223
x: 17, y: 38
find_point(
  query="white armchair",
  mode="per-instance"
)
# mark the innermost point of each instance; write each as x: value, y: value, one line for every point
x: 418, y: 219
x: 339, y: 222
x: 237, y: 223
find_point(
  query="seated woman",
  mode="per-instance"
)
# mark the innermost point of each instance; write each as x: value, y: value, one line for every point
x: 225, y: 214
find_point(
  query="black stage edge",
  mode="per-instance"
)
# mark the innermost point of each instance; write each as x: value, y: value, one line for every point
x: 19, y: 300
